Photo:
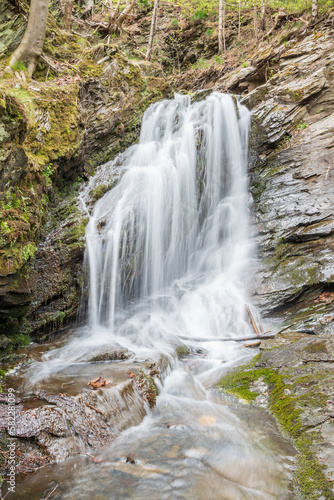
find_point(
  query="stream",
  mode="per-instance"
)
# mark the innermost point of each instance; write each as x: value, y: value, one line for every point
x: 168, y: 259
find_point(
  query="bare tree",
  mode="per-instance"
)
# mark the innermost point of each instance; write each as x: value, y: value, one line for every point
x: 255, y: 22
x: 221, y: 27
x: 239, y: 19
x: 263, y: 16
x: 153, y: 28
x: 224, y: 16
x: 314, y: 10
x: 68, y: 7
x: 32, y: 43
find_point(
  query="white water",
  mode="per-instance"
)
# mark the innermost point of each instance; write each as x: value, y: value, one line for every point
x: 171, y: 239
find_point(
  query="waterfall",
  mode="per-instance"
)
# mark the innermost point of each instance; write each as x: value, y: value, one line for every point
x: 166, y: 263
x: 168, y: 246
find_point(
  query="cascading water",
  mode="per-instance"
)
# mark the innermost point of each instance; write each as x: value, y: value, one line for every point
x: 173, y: 234
x: 168, y: 254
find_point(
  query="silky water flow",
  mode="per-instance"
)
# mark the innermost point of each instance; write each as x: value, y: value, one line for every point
x: 168, y: 256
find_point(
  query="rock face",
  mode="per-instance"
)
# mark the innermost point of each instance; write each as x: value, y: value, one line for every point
x: 291, y: 167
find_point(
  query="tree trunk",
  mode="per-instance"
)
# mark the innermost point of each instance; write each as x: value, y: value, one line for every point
x: 255, y: 22
x: 263, y: 15
x: 239, y: 20
x: 68, y: 14
x: 224, y: 41
x: 220, y: 27
x: 153, y: 28
x: 32, y: 43
x: 314, y: 11
x: 113, y: 15
x: 124, y: 14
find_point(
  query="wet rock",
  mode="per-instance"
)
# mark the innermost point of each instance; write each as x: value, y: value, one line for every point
x: 182, y: 351
x: 294, y: 380
x: 115, y: 354
x: 293, y: 135
x: 61, y: 426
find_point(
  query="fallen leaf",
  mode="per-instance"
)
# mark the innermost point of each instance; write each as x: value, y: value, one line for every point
x: 131, y: 374
x: 98, y: 382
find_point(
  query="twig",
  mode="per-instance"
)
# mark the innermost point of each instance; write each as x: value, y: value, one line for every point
x: 285, y: 328
x: 51, y: 492
x: 66, y: 383
x: 108, y: 6
x: 46, y: 60
x: 96, y: 460
x: 93, y: 408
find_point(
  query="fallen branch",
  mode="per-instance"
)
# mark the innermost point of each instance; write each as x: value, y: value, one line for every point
x: 279, y: 17
x: 224, y: 339
x: 250, y: 315
x: 47, y: 61
x: 67, y: 383
x: 303, y: 21
x: 253, y: 344
x: 104, y: 59
x: 305, y: 361
x: 307, y: 332
x: 260, y: 324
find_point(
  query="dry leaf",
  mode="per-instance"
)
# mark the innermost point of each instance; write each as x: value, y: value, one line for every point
x: 98, y: 382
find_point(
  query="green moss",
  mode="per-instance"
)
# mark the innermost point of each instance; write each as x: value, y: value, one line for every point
x: 18, y: 336
x: 238, y: 382
x: 100, y: 191
x: 310, y: 479
x: 148, y: 388
x: 47, y: 130
x: 90, y: 69
x: 14, y: 256
x: 182, y: 351
x: 316, y: 347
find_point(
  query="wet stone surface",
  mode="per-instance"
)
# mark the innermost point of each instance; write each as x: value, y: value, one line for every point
x: 294, y: 380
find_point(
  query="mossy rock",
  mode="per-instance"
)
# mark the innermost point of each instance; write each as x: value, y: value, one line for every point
x: 295, y: 396
x: 182, y: 351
